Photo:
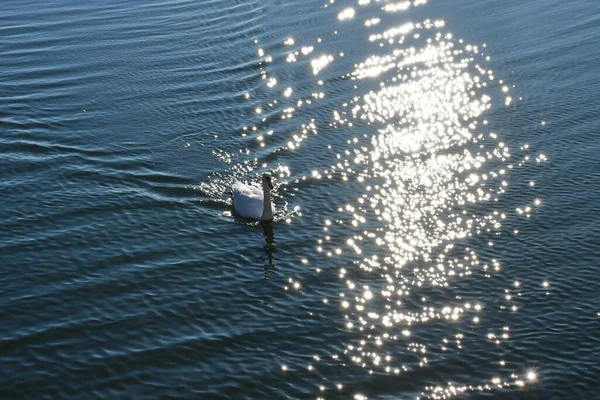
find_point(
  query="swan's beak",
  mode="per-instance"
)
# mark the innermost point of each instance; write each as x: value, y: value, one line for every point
x: 267, y: 179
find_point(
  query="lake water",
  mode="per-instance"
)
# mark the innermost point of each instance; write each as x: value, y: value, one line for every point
x: 437, y: 173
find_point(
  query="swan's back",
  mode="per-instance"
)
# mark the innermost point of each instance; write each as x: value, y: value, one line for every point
x: 247, y: 200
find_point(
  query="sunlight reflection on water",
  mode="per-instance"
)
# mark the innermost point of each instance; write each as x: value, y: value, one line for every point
x: 431, y: 173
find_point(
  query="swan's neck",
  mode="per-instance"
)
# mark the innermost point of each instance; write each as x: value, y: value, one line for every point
x: 267, y: 214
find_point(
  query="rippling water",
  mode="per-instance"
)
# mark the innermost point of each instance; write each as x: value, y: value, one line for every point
x: 436, y: 183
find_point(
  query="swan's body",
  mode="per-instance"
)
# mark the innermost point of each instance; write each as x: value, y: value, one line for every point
x: 251, y: 202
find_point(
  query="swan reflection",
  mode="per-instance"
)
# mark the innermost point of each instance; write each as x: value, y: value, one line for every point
x: 270, y: 249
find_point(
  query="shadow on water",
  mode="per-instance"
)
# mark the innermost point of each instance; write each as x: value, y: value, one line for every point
x: 270, y: 249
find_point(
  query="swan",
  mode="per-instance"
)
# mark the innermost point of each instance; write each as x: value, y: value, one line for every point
x: 250, y: 202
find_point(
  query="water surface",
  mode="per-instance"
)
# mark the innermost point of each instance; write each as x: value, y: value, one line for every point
x: 436, y: 178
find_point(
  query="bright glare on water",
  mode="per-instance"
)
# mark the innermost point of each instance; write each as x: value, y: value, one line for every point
x: 426, y: 174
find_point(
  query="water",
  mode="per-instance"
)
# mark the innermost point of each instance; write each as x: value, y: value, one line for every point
x: 436, y: 178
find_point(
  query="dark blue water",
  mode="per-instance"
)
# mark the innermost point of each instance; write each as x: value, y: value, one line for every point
x: 436, y: 170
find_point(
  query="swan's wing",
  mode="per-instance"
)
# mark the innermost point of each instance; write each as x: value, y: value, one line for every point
x: 245, y: 190
x: 247, y: 200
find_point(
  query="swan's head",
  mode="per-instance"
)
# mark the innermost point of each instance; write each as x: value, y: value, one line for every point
x: 266, y: 179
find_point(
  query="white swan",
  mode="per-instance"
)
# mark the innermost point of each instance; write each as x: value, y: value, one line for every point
x: 250, y: 202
